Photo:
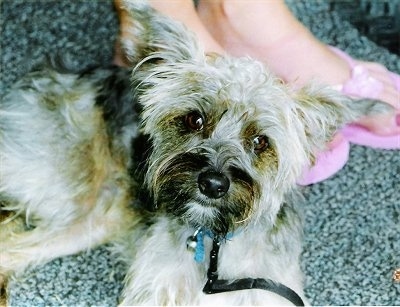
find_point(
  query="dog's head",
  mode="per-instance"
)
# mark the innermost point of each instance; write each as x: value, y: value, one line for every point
x: 228, y: 139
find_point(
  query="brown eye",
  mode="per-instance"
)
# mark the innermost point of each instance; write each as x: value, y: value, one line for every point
x: 194, y: 121
x: 260, y: 143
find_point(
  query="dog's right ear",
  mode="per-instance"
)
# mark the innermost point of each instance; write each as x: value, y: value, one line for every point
x: 324, y: 112
x: 149, y: 34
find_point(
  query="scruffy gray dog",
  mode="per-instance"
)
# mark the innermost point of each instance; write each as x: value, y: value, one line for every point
x: 187, y: 163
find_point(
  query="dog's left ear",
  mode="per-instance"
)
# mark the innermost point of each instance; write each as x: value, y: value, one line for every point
x: 325, y: 111
x: 149, y: 33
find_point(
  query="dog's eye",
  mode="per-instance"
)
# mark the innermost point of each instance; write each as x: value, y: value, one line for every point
x: 194, y: 121
x: 260, y: 143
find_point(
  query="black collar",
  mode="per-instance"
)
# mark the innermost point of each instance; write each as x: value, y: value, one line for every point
x: 215, y: 285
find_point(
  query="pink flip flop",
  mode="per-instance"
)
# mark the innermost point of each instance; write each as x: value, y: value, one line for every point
x: 328, y: 163
x: 362, y: 84
x: 360, y: 135
x: 331, y: 161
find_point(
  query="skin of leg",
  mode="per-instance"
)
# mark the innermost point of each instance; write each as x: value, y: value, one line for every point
x: 237, y: 25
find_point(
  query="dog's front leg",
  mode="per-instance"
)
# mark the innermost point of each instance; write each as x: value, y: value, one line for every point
x: 40, y: 245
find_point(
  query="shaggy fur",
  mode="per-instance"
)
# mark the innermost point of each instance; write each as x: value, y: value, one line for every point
x: 188, y: 141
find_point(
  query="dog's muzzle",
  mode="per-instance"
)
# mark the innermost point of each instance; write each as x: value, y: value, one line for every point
x: 213, y: 184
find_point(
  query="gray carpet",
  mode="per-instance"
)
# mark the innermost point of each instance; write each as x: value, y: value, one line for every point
x: 352, y: 231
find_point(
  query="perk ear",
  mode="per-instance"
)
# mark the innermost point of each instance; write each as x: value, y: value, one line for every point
x: 324, y: 112
x: 148, y: 33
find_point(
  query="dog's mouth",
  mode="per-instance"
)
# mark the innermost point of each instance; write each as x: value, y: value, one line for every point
x: 219, y: 201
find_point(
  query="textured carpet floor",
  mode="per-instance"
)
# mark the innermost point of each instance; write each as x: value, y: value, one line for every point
x: 352, y: 231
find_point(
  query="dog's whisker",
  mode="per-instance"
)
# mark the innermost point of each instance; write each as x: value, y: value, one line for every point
x: 244, y: 220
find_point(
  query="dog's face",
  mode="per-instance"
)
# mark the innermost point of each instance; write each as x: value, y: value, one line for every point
x: 223, y: 137
x: 228, y: 139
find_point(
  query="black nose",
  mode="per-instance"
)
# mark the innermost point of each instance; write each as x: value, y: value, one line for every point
x: 213, y: 184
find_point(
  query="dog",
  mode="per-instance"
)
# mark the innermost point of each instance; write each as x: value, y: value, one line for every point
x: 187, y: 163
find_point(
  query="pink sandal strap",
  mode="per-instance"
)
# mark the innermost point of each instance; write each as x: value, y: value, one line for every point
x: 361, y: 83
